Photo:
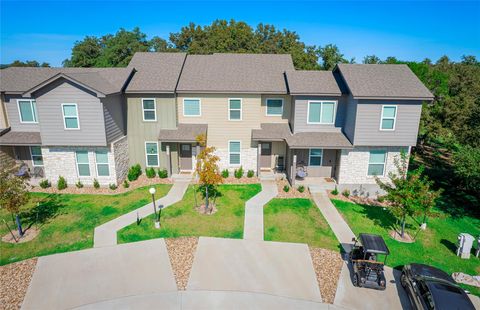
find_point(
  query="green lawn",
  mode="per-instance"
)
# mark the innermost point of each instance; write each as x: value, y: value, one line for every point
x: 298, y: 220
x: 181, y: 219
x: 67, y: 221
x: 434, y: 246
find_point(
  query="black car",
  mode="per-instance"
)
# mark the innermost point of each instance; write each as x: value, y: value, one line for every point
x: 431, y: 288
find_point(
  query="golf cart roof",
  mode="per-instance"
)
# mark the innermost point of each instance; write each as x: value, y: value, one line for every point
x: 373, y: 244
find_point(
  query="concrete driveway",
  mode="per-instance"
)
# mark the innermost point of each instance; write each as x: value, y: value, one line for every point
x: 69, y: 280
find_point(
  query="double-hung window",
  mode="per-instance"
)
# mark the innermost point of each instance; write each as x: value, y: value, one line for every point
x: 101, y: 159
x: 151, y: 153
x: 315, y: 157
x: 321, y: 112
x: 235, y: 109
x: 234, y: 148
x: 28, y: 111
x: 37, y: 158
x: 192, y: 107
x: 389, y: 117
x: 376, y: 163
x: 274, y: 107
x: 83, y: 164
x: 70, y: 116
x: 149, y: 110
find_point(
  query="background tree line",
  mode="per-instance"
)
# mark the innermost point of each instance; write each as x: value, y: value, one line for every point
x: 449, y: 140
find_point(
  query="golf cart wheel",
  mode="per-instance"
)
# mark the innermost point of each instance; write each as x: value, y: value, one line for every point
x: 356, y: 281
x: 403, y: 280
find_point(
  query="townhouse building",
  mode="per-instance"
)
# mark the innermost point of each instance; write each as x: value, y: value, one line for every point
x: 259, y: 113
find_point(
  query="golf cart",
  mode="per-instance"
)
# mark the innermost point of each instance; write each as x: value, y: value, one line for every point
x: 367, y: 267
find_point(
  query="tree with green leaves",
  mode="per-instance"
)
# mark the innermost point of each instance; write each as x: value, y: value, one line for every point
x: 85, y: 53
x: 13, y: 195
x: 28, y: 63
x: 371, y: 59
x: 331, y: 56
x: 466, y: 165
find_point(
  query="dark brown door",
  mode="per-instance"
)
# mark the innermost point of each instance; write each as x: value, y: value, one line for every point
x: 185, y: 157
x: 266, y: 155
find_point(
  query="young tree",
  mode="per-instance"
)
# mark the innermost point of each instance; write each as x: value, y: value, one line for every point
x: 13, y: 194
x: 207, y: 169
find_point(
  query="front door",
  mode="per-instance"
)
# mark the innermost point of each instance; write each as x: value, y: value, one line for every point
x: 185, y: 157
x: 266, y: 155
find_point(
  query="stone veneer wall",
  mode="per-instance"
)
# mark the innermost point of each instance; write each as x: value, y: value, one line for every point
x: 120, y: 153
x: 248, y: 159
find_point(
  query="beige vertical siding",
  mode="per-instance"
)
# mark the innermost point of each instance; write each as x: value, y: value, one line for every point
x: 3, y: 112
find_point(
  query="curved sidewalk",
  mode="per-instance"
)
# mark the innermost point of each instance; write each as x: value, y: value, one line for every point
x: 106, y: 234
x: 253, y: 227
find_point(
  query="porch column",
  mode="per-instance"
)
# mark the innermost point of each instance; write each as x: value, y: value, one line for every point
x: 293, y: 173
x: 169, y: 161
x: 259, y: 153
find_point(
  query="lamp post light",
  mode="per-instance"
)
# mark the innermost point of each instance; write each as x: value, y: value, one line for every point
x: 157, y: 220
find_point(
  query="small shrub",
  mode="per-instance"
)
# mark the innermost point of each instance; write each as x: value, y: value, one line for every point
x: 286, y: 188
x: 238, y: 173
x: 346, y: 193
x: 250, y: 173
x: 79, y: 184
x: 134, y: 172
x: 62, y: 183
x: 126, y: 184
x: 150, y: 172
x: 96, y: 184
x: 112, y: 186
x: 163, y: 173
x: 301, y: 188
x: 335, y: 191
x: 45, y: 183
x: 225, y: 173
x: 380, y: 198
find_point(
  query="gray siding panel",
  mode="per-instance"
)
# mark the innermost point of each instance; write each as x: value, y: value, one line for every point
x: 13, y: 115
x: 367, y: 127
x: 350, y: 118
x: 301, y: 112
x: 90, y: 112
x: 113, y: 107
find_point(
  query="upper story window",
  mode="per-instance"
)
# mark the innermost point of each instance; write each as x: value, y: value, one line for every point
x: 83, y: 164
x: 101, y: 159
x: 192, y: 107
x: 28, y: 111
x: 235, y: 109
x: 315, y: 157
x: 151, y: 153
x: 274, y: 107
x: 389, y: 117
x: 376, y: 163
x: 70, y: 116
x: 234, y: 148
x: 149, y: 110
x: 321, y: 112
x: 37, y: 158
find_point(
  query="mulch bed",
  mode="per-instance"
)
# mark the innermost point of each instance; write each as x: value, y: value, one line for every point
x: 14, y: 279
x: 358, y: 200
x: 243, y: 180
x: 72, y: 189
x: 293, y: 192
x: 181, y: 252
x: 327, y: 265
x: 28, y: 235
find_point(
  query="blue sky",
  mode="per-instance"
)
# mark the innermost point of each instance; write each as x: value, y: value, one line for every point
x: 409, y: 30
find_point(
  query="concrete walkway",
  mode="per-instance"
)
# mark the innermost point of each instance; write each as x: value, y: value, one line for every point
x: 253, y: 227
x: 106, y: 234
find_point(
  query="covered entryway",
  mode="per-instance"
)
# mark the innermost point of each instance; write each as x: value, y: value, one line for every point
x: 185, y: 157
x: 266, y: 155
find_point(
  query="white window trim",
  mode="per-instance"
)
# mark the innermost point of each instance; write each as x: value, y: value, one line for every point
x: 146, y: 155
x: 199, y: 107
x: 239, y: 153
x: 76, y: 165
x: 266, y: 107
x: 241, y: 109
x: 310, y: 157
x: 388, y: 117
x: 335, y: 102
x: 154, y: 110
x: 31, y: 155
x: 63, y: 114
x: 96, y: 166
x: 384, y: 164
x: 34, y: 111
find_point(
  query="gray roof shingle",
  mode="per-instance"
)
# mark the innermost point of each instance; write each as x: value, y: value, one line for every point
x: 327, y: 140
x: 271, y: 132
x: 235, y: 73
x: 20, y: 138
x: 383, y: 81
x: 183, y: 133
x: 156, y: 72
x: 312, y: 83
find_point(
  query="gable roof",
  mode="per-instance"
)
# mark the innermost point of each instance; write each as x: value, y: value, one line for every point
x: 104, y: 81
x: 235, y: 73
x: 383, y: 81
x: 155, y: 72
x: 312, y: 83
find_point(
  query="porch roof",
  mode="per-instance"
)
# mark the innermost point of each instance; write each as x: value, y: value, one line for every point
x: 183, y: 133
x: 326, y: 140
x: 20, y: 138
x: 271, y: 132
